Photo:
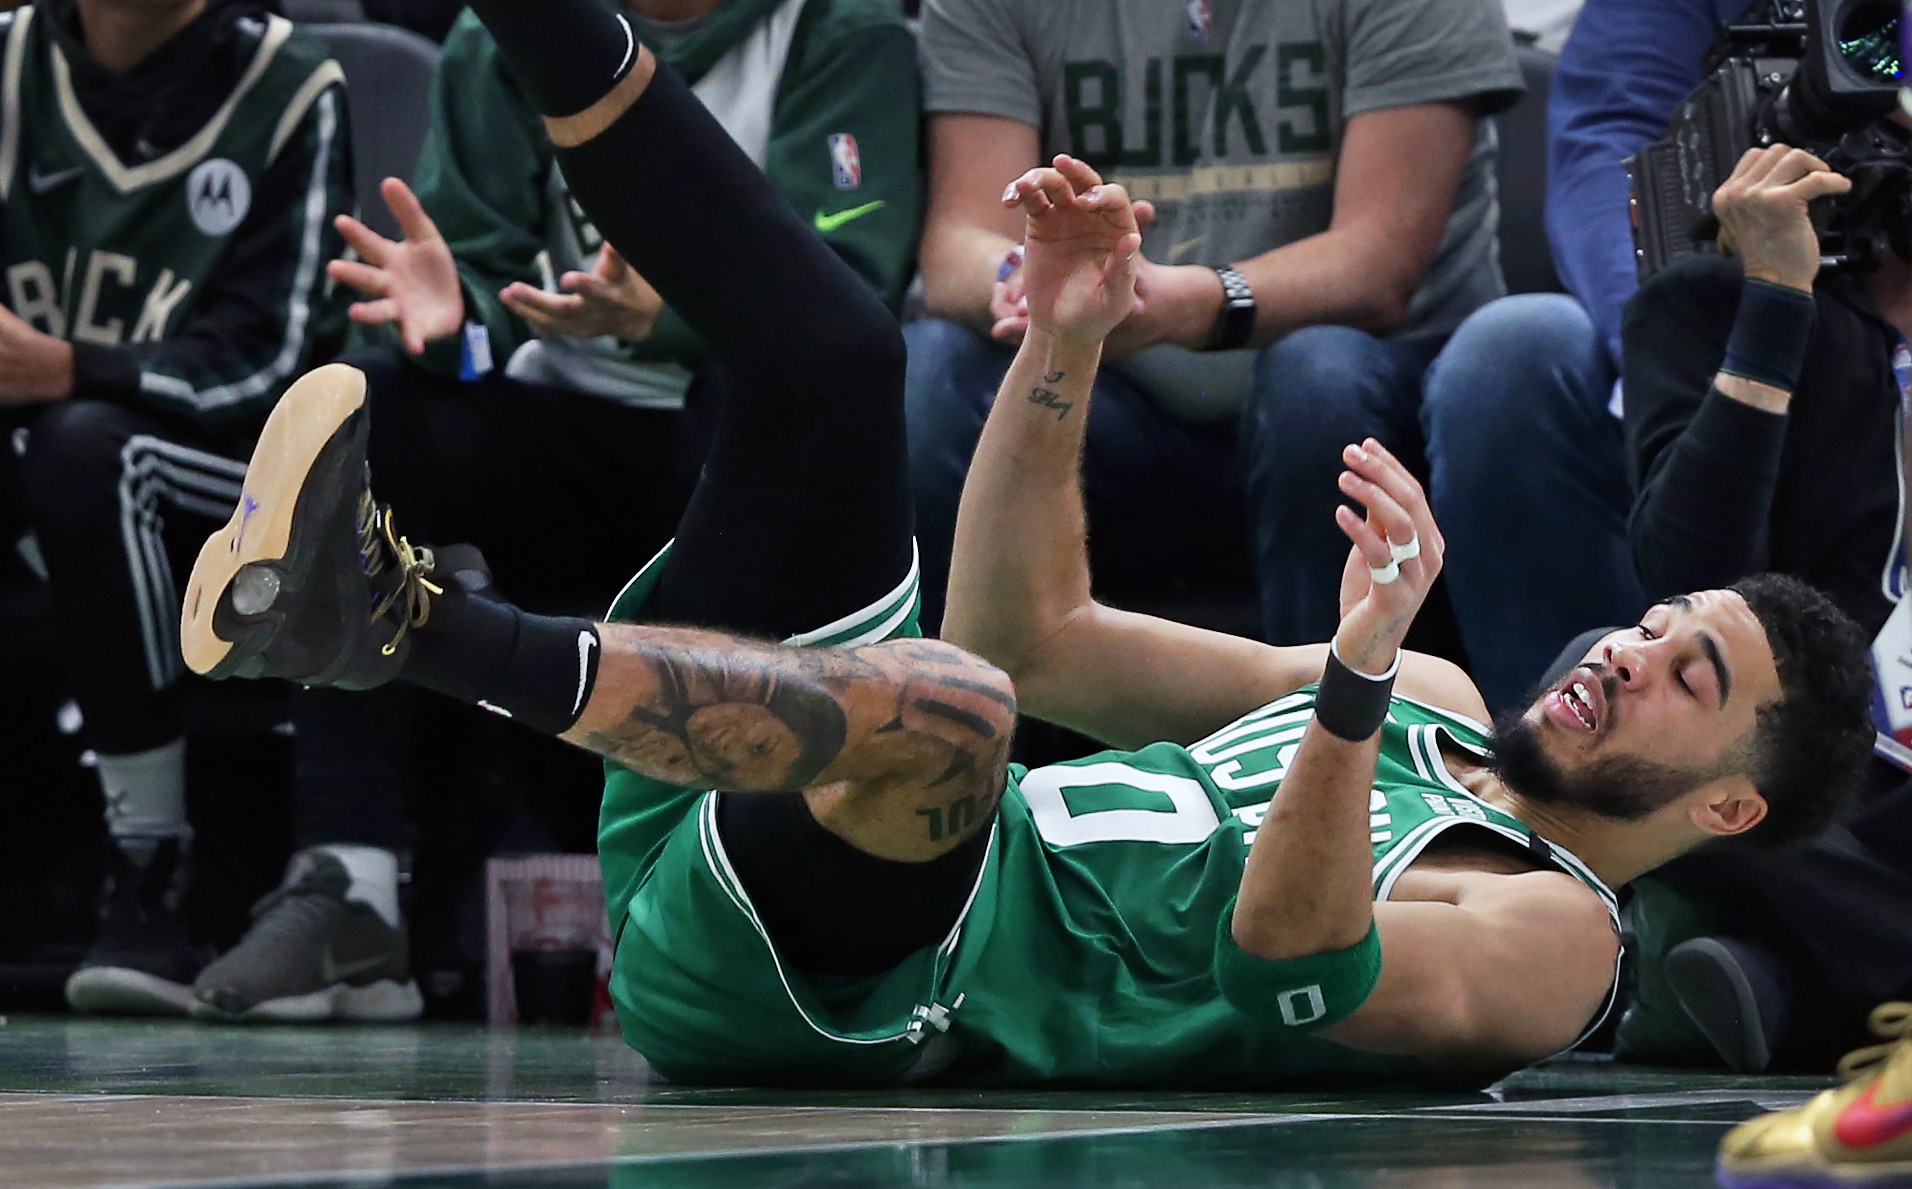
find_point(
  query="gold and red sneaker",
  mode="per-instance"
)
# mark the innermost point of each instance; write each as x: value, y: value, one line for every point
x: 1858, y: 1134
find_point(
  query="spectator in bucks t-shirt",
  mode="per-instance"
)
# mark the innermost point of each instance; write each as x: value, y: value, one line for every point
x: 1324, y: 216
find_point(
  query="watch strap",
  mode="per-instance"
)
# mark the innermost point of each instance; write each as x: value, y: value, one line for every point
x: 1235, y: 321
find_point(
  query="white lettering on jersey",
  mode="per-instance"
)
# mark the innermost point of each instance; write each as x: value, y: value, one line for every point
x: 1454, y: 806
x: 1276, y: 728
x: 35, y: 299
x: 85, y: 329
x: 1312, y: 1005
x: 218, y: 195
x: 1186, y: 816
x: 164, y: 301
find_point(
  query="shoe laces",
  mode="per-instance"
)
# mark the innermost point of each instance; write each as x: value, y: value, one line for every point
x: 1891, y: 1023
x: 378, y: 540
x: 297, y: 908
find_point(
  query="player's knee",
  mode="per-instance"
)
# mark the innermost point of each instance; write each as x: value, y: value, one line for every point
x: 74, y: 442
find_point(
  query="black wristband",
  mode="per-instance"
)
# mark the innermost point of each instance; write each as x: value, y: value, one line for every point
x: 1235, y: 321
x: 1351, y: 705
x: 1770, y: 335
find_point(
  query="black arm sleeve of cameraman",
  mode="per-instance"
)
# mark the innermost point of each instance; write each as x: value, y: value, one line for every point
x: 1704, y: 465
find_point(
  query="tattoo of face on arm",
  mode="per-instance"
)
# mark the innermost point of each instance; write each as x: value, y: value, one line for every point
x: 745, y: 716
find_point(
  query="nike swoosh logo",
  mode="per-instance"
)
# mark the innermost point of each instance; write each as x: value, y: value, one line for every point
x: 826, y: 223
x: 333, y: 971
x: 1866, y: 1124
x: 40, y: 183
x: 586, y: 642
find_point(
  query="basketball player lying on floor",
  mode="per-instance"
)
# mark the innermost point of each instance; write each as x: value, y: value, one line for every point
x: 1315, y: 861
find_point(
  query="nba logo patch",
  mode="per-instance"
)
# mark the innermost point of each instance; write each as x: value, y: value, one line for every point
x: 845, y: 161
x: 1201, y: 19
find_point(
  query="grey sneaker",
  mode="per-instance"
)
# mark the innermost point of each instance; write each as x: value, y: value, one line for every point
x: 310, y: 955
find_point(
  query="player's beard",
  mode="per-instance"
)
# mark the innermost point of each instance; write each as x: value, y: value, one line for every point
x: 1621, y: 788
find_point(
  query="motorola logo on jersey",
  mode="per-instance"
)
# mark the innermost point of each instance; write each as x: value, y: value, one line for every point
x: 218, y: 195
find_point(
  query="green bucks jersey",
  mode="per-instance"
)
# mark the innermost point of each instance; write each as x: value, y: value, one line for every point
x: 1087, y: 957
x: 136, y: 262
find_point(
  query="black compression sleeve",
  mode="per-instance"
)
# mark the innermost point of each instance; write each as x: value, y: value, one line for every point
x: 697, y: 219
x: 566, y: 54
x: 803, y: 512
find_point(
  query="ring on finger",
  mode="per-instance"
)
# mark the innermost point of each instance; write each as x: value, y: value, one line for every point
x: 1408, y: 551
x: 1385, y: 575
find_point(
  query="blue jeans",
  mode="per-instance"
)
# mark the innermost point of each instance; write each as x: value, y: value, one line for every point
x: 1315, y: 391
x: 1163, y: 498
x: 1528, y: 478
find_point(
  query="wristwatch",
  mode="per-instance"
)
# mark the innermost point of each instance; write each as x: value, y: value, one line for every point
x: 1235, y: 322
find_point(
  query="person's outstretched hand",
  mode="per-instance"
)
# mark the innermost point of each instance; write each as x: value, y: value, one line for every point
x: 610, y: 299
x: 1375, y: 614
x: 413, y: 283
x: 1080, y: 244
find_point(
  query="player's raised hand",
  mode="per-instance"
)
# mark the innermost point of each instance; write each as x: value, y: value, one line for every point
x: 412, y: 283
x: 610, y: 299
x: 1080, y: 243
x: 1396, y: 556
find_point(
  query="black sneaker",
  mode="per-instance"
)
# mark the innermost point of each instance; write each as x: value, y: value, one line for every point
x: 1734, y: 994
x: 309, y: 580
x: 312, y: 954
x: 141, y: 962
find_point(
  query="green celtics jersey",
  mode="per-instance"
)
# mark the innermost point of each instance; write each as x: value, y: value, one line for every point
x: 190, y: 276
x: 1088, y: 953
x: 1085, y: 956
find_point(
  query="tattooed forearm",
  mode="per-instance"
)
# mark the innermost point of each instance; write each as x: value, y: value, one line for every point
x: 709, y: 711
x: 744, y: 716
x: 958, y: 816
x: 952, y: 721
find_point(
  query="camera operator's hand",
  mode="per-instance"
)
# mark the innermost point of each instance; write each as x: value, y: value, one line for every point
x: 1762, y: 213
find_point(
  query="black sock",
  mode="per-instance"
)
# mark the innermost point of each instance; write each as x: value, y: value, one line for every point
x: 566, y: 54
x: 538, y: 669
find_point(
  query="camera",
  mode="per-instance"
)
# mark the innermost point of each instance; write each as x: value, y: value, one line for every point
x: 1820, y: 75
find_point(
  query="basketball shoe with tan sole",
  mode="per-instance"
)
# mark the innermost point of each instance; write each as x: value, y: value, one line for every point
x: 1858, y: 1134
x: 309, y: 580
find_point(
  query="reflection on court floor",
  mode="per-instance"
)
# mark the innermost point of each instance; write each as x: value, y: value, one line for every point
x: 92, y: 1103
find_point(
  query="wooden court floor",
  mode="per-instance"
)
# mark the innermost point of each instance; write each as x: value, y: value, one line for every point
x: 105, y: 1103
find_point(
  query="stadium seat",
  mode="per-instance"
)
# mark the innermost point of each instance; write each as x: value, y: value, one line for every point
x: 1525, y: 256
x: 388, y: 80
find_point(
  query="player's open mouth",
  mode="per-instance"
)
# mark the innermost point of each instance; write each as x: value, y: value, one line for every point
x: 1580, y: 704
